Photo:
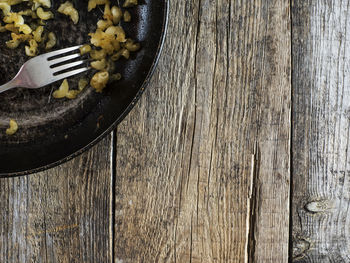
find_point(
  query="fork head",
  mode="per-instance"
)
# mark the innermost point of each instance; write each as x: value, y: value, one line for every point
x: 48, y: 68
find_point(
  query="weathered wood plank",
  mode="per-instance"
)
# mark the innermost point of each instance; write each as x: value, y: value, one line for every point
x: 184, y: 153
x: 321, y: 106
x: 60, y: 215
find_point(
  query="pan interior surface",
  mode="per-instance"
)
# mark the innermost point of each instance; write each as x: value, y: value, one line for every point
x: 52, y: 131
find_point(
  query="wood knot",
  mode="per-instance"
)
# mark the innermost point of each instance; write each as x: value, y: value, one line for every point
x: 318, y: 206
x: 300, y: 246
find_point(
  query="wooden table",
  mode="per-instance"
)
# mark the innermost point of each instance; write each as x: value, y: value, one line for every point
x: 237, y: 152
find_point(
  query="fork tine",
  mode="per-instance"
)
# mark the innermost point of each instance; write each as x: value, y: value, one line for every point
x: 68, y: 66
x: 63, y: 59
x: 59, y: 52
x: 69, y: 74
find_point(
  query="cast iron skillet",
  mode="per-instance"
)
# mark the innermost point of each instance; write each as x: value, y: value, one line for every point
x: 54, y: 131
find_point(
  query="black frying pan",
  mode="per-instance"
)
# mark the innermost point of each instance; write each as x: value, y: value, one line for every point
x: 54, y: 131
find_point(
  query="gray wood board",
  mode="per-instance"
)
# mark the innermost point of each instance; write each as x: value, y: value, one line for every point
x: 184, y: 154
x: 321, y: 107
x: 60, y: 215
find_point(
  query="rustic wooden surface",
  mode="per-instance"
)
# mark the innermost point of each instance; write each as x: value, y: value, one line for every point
x: 184, y: 153
x: 321, y: 119
x: 250, y: 100
x: 60, y: 215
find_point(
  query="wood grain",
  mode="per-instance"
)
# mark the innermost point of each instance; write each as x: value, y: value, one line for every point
x: 186, y: 186
x: 60, y: 215
x: 183, y: 155
x: 321, y: 97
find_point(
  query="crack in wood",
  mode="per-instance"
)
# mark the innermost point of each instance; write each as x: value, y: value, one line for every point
x: 251, y: 207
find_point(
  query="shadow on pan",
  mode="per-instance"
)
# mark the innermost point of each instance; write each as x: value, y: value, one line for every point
x: 53, y: 131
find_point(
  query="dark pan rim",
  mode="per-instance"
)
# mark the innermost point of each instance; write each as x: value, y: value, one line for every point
x: 119, y: 119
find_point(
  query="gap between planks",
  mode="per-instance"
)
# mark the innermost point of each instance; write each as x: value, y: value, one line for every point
x: 112, y: 195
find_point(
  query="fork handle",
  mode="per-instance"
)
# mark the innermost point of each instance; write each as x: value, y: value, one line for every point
x: 14, y: 83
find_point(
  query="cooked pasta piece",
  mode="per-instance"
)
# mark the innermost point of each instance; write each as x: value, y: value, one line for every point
x: 99, y: 64
x: 14, y: 18
x: 5, y: 8
x: 32, y: 49
x: 129, y: 3
x: 44, y: 15
x: 98, y: 54
x: 116, y: 14
x: 85, y: 49
x: 82, y: 84
x: 25, y: 29
x: 121, y: 53
x: 115, y: 77
x: 103, y: 24
x: 93, y: 3
x: 12, y: 28
x: 21, y: 37
x: 107, y: 14
x: 52, y: 40
x: 12, y: 44
x: 45, y: 3
x: 68, y: 9
x: 13, y: 127
x: 127, y: 16
x: 62, y: 90
x: 131, y: 45
x: 37, y: 33
x: 72, y: 94
x: 28, y: 12
x: 99, y: 80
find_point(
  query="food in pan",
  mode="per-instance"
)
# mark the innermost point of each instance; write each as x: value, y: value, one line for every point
x: 108, y: 43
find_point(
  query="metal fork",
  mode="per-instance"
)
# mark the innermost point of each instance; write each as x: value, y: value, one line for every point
x: 45, y: 69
